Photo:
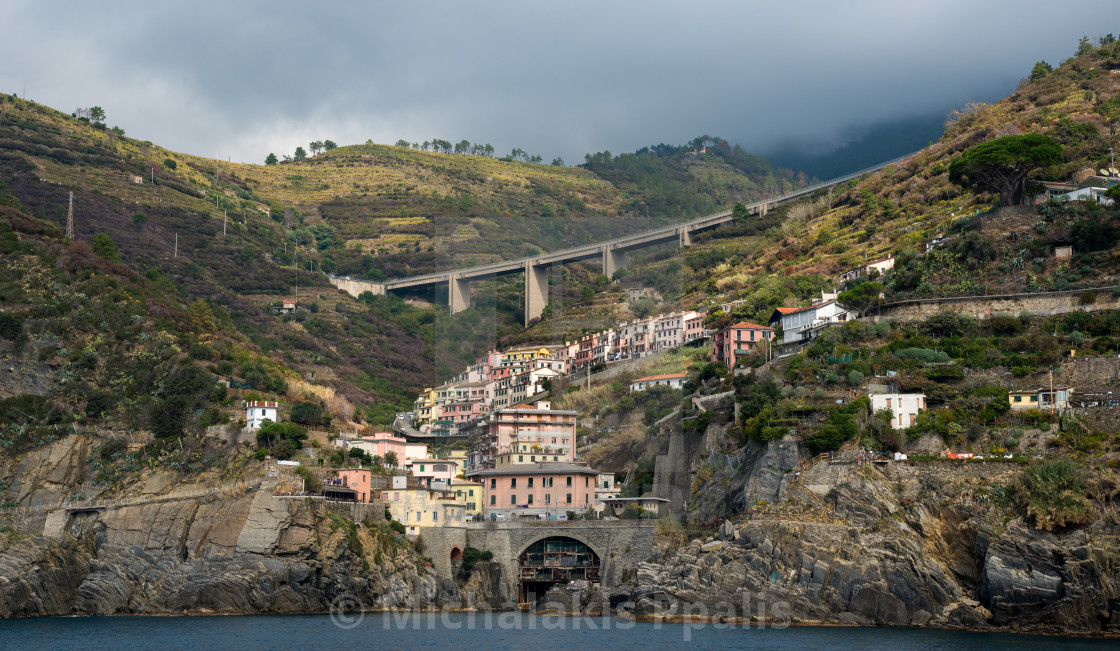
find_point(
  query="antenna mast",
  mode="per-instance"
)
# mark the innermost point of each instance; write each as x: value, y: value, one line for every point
x: 70, y: 219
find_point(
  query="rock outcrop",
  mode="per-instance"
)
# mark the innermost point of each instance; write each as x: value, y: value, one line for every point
x: 903, y: 546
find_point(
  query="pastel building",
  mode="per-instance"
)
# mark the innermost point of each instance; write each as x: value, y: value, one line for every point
x: 672, y: 380
x: 470, y: 493
x: 357, y: 480
x: 382, y: 443
x: 258, y: 411
x: 417, y: 507
x: 427, y: 470
x: 537, y: 491
x: 904, y: 407
x: 735, y: 341
x: 527, y: 429
x: 1046, y: 399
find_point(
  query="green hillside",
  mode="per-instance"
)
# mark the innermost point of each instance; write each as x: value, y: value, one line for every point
x: 239, y: 238
x: 794, y: 252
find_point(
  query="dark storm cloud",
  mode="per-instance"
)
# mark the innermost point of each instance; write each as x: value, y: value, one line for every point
x: 241, y: 79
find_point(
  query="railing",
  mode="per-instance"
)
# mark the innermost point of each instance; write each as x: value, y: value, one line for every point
x: 661, y: 230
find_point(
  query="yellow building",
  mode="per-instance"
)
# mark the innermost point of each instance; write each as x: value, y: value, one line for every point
x: 525, y: 354
x: 422, y: 408
x: 469, y: 492
x: 417, y: 507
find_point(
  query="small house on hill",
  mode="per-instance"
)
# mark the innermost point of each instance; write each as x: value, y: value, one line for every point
x: 1056, y: 398
x: 673, y: 380
x: 258, y: 411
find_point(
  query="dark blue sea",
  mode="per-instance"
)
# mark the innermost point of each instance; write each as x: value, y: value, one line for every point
x: 494, y: 632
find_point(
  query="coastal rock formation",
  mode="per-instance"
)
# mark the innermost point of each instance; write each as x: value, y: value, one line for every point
x: 896, y: 545
x: 250, y: 553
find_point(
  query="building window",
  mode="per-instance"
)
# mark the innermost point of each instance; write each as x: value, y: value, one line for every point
x: 417, y: 516
x: 493, y: 500
x: 493, y: 484
x: 569, y: 481
x: 471, y: 492
x: 530, y: 498
x: 586, y: 482
x: 513, y: 482
x: 435, y: 516
x: 548, y: 498
x: 530, y: 482
x: 569, y: 500
x: 513, y: 500
x: 520, y: 458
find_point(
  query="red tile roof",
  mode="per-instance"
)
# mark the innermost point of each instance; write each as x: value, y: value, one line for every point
x: 748, y: 324
x: 670, y: 376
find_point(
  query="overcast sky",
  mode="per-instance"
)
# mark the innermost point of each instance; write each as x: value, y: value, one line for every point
x: 240, y: 79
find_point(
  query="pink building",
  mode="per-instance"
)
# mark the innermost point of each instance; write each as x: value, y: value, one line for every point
x: 693, y: 325
x: 361, y: 481
x: 427, y: 470
x: 537, y: 491
x: 382, y: 443
x: 524, y: 428
x: 737, y: 340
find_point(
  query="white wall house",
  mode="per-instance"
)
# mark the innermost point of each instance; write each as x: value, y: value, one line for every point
x: 904, y: 406
x: 258, y: 411
x: 797, y: 322
x: 674, y: 380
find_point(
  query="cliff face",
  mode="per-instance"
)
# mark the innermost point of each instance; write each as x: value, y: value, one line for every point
x: 250, y: 554
x: 233, y: 550
x: 905, y: 545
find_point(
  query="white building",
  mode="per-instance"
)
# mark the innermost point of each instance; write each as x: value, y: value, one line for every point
x: 258, y: 411
x: 673, y: 380
x: 904, y: 407
x: 882, y: 266
x: 1087, y: 194
x: 800, y: 322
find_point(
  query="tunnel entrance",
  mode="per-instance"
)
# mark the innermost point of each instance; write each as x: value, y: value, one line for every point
x: 555, y: 560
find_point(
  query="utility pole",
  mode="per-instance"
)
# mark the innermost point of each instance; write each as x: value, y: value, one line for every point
x: 70, y: 219
x: 224, y: 220
x: 176, y: 245
x: 1051, y: 392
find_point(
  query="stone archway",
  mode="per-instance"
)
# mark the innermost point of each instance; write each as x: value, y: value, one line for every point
x: 553, y: 560
x: 456, y: 555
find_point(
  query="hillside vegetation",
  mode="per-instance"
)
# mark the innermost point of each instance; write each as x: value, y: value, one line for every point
x: 790, y: 254
x: 237, y: 239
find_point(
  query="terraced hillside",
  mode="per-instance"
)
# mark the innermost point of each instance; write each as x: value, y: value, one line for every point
x: 795, y: 252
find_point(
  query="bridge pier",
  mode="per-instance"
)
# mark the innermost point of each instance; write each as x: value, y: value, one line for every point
x: 536, y: 290
x: 613, y: 260
x: 458, y: 293
x: 686, y: 236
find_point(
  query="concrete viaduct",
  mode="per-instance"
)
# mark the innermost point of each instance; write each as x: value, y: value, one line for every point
x: 612, y: 253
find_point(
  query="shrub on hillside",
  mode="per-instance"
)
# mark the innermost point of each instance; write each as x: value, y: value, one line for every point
x: 1053, y: 495
x: 922, y: 355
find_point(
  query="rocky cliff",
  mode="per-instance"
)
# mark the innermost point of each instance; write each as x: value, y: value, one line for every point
x: 895, y: 544
x: 160, y: 549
